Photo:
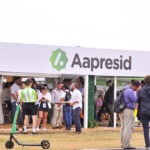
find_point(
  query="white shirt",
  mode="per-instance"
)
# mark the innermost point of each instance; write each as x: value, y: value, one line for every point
x: 48, y: 96
x: 37, y: 92
x: 19, y: 95
x: 76, y: 96
x: 57, y: 95
x: 14, y: 90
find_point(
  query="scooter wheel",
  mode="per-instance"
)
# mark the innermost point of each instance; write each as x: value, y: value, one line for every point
x: 45, y: 144
x: 9, y: 144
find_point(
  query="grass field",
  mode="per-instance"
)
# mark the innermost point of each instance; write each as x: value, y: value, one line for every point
x: 70, y: 141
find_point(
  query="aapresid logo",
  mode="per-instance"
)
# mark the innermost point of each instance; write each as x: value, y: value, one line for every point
x: 58, y: 59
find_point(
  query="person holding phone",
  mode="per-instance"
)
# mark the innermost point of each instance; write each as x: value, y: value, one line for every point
x: 44, y: 100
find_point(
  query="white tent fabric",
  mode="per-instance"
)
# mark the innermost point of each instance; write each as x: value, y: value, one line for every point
x: 25, y: 74
x: 1, y: 110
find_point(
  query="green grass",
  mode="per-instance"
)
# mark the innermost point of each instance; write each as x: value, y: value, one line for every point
x: 70, y: 141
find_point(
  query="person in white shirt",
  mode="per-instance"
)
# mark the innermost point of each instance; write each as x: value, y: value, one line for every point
x: 21, y: 115
x: 58, y: 96
x: 76, y: 103
x: 44, y: 100
x: 14, y: 90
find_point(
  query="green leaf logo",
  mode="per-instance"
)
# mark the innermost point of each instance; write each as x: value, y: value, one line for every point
x: 58, y: 59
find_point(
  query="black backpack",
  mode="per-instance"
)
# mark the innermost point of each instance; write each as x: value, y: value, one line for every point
x: 119, y: 103
x: 67, y: 97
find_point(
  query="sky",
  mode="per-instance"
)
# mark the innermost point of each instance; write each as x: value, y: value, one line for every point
x: 109, y: 24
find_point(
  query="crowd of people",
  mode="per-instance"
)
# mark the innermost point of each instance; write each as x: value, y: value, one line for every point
x: 38, y: 104
x: 65, y: 105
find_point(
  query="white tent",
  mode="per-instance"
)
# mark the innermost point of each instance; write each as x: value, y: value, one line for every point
x: 56, y: 61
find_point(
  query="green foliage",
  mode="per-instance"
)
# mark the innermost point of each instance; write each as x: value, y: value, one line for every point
x: 91, y: 99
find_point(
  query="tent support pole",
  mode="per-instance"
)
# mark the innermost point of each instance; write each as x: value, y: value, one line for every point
x: 86, y: 101
x: 115, y: 95
x: 1, y: 109
x: 95, y: 80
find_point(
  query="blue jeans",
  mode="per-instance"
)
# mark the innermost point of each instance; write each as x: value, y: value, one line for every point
x: 145, y: 123
x: 68, y: 116
x: 76, y: 118
x: 13, y: 110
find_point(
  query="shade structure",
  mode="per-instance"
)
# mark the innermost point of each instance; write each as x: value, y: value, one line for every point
x: 57, y: 61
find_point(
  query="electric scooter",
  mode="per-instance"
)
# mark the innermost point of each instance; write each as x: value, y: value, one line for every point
x: 45, y: 144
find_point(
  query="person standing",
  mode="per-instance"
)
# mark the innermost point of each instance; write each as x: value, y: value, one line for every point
x: 6, y: 96
x: 58, y: 96
x: 108, y: 84
x: 35, y: 87
x: 44, y: 100
x: 109, y: 99
x: 80, y: 82
x: 108, y: 104
x: 142, y: 83
x: 144, y: 109
x: 76, y: 103
x: 67, y: 109
x: 21, y: 115
x: 127, y: 116
x: 30, y: 97
x: 14, y: 90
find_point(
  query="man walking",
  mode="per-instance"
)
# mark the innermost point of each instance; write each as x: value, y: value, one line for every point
x: 58, y: 96
x: 29, y: 96
x: 127, y: 116
x: 76, y: 103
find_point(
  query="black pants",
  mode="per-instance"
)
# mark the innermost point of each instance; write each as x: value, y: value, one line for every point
x: 76, y: 118
x: 145, y: 123
x: 109, y: 108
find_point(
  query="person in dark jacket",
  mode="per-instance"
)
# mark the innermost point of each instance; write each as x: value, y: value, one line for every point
x: 108, y: 103
x: 144, y: 109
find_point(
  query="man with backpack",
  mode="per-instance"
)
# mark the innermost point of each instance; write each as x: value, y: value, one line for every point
x: 127, y: 115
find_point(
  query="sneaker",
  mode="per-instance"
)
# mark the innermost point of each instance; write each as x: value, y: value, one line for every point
x: 34, y: 133
x: 57, y: 127
x: 37, y: 129
x: 44, y: 129
x: 129, y: 148
x: 78, y: 132
x: 68, y: 128
x: 25, y: 132
x: 60, y: 127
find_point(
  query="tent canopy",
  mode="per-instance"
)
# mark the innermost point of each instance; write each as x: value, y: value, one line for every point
x: 55, y: 61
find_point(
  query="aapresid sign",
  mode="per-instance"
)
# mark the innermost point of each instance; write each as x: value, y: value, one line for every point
x: 101, y: 63
x: 72, y: 60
